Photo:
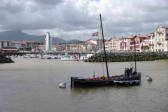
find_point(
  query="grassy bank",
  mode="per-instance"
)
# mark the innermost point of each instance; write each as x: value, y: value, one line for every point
x: 4, y: 59
x: 129, y: 56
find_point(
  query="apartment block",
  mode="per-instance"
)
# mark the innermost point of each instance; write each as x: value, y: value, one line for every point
x: 161, y: 39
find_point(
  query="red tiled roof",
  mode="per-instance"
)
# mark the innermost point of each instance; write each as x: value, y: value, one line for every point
x: 128, y: 37
x: 17, y: 42
x: 142, y: 36
x: 4, y: 41
x: 114, y: 38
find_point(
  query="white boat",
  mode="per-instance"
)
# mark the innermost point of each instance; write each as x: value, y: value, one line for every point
x: 83, y: 57
x: 27, y: 56
x: 68, y: 58
x: 53, y: 57
x: 46, y: 57
x: 49, y: 57
x: 33, y: 56
x: 89, y: 55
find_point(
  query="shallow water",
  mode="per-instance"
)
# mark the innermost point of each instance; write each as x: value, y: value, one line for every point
x: 31, y: 85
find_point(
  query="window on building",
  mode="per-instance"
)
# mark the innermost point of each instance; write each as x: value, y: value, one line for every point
x: 167, y: 35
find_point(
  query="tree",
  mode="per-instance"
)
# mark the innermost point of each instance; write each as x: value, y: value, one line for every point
x: 145, y: 47
x: 27, y: 48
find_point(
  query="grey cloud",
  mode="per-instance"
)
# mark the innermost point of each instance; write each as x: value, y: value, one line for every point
x: 133, y: 16
x: 9, y: 7
x: 47, y: 2
x: 143, y: 20
x: 66, y: 17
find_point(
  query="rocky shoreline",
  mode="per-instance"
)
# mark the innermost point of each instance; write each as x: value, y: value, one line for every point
x: 129, y: 56
x: 4, y: 59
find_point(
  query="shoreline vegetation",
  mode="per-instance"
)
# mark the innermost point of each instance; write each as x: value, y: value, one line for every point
x: 129, y: 56
x: 4, y: 59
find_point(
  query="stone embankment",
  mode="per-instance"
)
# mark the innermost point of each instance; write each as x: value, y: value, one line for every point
x: 129, y: 56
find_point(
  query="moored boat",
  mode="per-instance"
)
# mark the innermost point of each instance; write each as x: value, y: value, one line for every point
x: 69, y: 58
x: 130, y: 77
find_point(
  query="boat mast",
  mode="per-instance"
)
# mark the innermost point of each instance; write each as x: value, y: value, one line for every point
x: 135, y: 54
x: 104, y: 48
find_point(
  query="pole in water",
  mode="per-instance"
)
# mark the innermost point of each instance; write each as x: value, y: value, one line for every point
x: 135, y: 54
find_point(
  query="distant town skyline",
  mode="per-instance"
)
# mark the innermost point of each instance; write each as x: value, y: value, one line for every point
x: 78, y: 19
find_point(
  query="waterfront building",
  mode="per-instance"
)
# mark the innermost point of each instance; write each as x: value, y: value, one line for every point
x: 80, y: 47
x: 114, y: 44
x: 161, y: 39
x: 125, y: 43
x: 93, y: 44
x: 5, y: 44
x: 16, y: 44
x: 73, y: 47
x: 151, y: 42
x: 107, y: 45
x: 95, y: 41
x: 83, y: 48
x: 59, y: 48
x: 92, y: 41
x: 48, y: 42
x: 140, y: 42
x: 91, y: 47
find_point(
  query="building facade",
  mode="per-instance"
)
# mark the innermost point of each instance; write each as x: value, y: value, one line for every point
x: 161, y: 39
x: 94, y: 45
x: 151, y: 42
x: 125, y: 43
x: 114, y: 44
x: 19, y: 44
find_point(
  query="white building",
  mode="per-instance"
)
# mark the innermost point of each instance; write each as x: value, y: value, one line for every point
x: 48, y: 42
x: 140, y: 43
x: 125, y: 43
x: 94, y: 44
x: 151, y: 42
x: 107, y: 45
x: 161, y: 39
x: 114, y: 44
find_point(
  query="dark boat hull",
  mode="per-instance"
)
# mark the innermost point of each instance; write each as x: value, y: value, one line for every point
x: 77, y: 82
x: 121, y: 80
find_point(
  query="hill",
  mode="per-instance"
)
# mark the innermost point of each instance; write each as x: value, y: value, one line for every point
x: 19, y: 35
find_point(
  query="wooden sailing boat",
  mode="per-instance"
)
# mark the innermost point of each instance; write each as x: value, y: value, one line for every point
x: 130, y: 77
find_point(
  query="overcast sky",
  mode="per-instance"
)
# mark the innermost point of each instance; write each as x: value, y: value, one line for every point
x: 78, y: 19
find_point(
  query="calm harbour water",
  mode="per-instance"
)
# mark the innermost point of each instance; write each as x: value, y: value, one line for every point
x: 31, y: 85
